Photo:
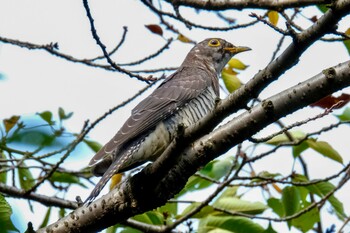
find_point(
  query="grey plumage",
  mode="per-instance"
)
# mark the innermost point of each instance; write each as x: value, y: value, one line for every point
x: 183, y: 98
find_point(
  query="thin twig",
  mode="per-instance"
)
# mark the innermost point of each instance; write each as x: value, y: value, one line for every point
x: 103, y: 48
x: 117, y: 47
x: 318, y: 205
x: 277, y: 29
x: 298, y: 123
x: 189, y: 23
x: 344, y: 225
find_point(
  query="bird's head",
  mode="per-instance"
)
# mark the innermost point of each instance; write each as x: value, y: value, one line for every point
x: 213, y: 53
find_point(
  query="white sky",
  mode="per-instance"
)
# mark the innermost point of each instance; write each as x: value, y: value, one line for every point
x: 36, y: 81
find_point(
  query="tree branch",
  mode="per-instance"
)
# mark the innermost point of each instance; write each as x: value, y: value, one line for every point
x: 52, y: 49
x: 161, y: 180
x: 188, y: 23
x: 43, y: 199
x: 244, y: 4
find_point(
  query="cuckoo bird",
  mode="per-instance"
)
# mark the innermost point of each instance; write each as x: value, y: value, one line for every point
x: 182, y: 98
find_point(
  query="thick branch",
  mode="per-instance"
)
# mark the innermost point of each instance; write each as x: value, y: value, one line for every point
x: 240, y: 4
x: 161, y: 180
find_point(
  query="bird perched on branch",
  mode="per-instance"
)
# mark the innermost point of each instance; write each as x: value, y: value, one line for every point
x: 183, y: 98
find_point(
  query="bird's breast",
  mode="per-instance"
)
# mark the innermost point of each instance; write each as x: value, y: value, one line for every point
x: 151, y: 146
x: 192, y: 112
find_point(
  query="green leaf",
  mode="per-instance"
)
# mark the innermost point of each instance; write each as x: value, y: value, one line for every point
x: 347, y: 45
x: 36, y: 137
x: 228, y: 224
x: 150, y: 217
x: 5, y: 214
x: 299, y: 178
x: 347, y: 42
x: 112, y: 229
x: 130, y: 230
x: 298, y: 149
x: 231, y: 81
x: 234, y: 204
x: 195, y: 183
x: 277, y: 206
x: 322, y: 189
x: 62, y: 114
x: 229, y: 192
x: 46, y: 219
x: 65, y: 178
x: 219, y: 231
x: 95, y: 146
x: 306, y: 221
x: 291, y: 200
x: 46, y: 116
x: 325, y: 149
x: 304, y: 193
x: 345, y: 116
x: 323, y: 8
x: 121, y: 229
x: 26, y: 179
x: 62, y: 212
x: 168, y: 210
x: 206, y: 210
x: 265, y: 174
x: 215, y: 169
x: 282, y: 138
x: 219, y: 168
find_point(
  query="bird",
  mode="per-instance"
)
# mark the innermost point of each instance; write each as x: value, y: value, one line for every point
x: 183, y: 98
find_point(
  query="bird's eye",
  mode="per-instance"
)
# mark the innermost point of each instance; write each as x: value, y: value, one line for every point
x: 214, y: 43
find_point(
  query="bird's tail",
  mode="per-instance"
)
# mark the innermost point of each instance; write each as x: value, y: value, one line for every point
x: 113, y: 169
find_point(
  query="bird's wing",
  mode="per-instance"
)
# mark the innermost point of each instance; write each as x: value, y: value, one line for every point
x: 174, y: 92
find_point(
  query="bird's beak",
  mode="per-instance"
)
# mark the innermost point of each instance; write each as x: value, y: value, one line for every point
x: 235, y: 50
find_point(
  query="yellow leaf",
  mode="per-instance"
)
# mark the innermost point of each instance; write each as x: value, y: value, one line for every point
x: 115, y: 180
x: 228, y: 70
x: 273, y: 17
x: 184, y: 39
x: 347, y: 41
x: 347, y: 32
x: 10, y: 122
x: 276, y: 187
x: 231, y: 81
x: 237, y: 64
